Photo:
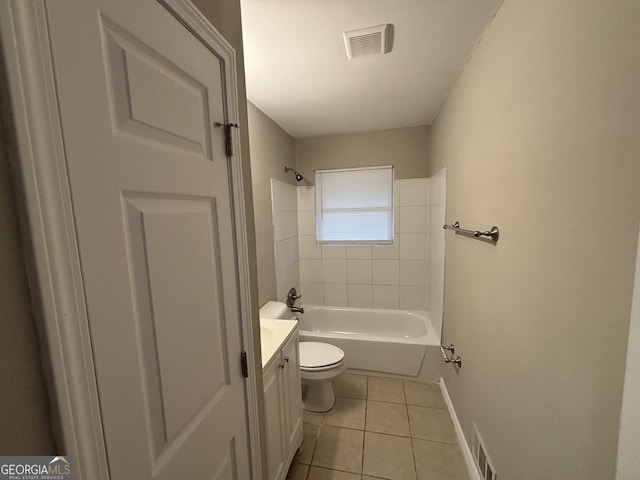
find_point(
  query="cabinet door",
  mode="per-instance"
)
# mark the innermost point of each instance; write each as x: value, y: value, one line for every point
x: 274, y: 417
x: 292, y: 395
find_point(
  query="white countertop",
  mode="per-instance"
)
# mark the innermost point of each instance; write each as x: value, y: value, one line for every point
x: 273, y: 333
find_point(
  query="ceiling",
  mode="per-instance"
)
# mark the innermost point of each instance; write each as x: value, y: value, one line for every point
x: 297, y: 71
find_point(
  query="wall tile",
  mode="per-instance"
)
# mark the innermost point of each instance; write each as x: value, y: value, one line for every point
x: 335, y: 294
x: 308, y: 248
x: 359, y: 271
x: 279, y: 226
x: 282, y: 269
x: 413, y: 246
x: 334, y: 270
x: 306, y: 198
x: 333, y: 251
x: 414, y: 192
x: 311, y: 271
x: 413, y: 219
x: 386, y: 296
x: 312, y: 293
x: 293, y: 253
x: 360, y: 296
x: 438, y: 188
x: 387, y: 252
x: 396, y: 220
x: 437, y: 220
x: 362, y: 253
x: 386, y: 272
x: 436, y: 254
x: 413, y: 272
x: 412, y: 298
x: 283, y: 197
x: 306, y: 223
x: 293, y: 275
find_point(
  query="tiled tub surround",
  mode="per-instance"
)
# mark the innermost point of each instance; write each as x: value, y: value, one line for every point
x: 284, y: 201
x: 408, y: 275
x: 380, y: 428
x: 389, y: 277
x: 435, y: 241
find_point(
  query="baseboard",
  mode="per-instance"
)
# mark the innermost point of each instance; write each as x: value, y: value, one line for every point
x: 469, y: 461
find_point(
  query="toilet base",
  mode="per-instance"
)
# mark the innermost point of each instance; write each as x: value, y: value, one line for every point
x: 318, y: 397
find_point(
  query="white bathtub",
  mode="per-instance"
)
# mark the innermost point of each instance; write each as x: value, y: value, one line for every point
x: 395, y: 342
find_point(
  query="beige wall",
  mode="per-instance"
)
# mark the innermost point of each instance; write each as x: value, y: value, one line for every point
x: 540, y: 136
x: 25, y: 420
x: 271, y: 150
x: 405, y: 148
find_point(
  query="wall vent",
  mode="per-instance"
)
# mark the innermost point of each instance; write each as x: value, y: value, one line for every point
x: 484, y: 463
x: 367, y: 41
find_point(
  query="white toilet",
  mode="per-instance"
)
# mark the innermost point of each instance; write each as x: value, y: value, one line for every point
x: 320, y: 365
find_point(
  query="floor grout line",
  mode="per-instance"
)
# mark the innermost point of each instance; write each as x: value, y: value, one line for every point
x: 364, y: 434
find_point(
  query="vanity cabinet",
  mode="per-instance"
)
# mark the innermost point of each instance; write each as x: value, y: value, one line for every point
x: 283, y: 407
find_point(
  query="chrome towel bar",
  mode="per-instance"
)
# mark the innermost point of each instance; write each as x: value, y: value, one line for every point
x: 494, y: 233
x: 451, y: 348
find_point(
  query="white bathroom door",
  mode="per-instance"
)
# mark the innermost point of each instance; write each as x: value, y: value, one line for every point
x: 149, y: 178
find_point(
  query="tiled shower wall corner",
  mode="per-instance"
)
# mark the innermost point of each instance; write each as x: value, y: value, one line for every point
x: 284, y: 201
x: 435, y: 235
x: 380, y: 276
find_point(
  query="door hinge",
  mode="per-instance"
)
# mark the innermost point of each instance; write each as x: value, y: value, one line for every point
x: 227, y: 136
x: 243, y: 363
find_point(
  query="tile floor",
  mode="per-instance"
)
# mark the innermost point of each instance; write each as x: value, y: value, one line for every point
x: 380, y: 428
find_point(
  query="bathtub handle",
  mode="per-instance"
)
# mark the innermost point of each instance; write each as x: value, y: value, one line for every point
x: 286, y: 359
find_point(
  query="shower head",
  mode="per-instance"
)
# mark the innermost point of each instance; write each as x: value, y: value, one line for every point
x: 299, y: 177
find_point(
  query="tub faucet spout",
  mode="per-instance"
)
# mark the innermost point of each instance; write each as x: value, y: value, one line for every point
x: 297, y: 310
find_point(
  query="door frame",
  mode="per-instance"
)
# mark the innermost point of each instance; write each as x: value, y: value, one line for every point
x: 47, y: 220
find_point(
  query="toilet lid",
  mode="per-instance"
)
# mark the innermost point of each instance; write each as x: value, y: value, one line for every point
x: 317, y: 354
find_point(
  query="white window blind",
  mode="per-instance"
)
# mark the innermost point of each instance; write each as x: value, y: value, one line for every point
x: 354, y: 206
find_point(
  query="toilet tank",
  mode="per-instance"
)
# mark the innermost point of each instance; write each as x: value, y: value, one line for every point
x: 273, y: 309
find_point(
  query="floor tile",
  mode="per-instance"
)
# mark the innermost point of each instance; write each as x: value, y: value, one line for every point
x: 423, y: 394
x: 431, y: 424
x: 309, y: 438
x: 312, y: 417
x: 388, y: 456
x: 439, y: 461
x: 317, y: 473
x: 298, y: 472
x: 351, y: 386
x: 347, y: 412
x: 385, y: 390
x: 339, y: 448
x: 387, y: 418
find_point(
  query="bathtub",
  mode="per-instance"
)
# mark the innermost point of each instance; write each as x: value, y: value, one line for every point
x: 397, y: 342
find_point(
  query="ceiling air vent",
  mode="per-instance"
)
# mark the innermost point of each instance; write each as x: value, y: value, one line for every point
x: 367, y: 41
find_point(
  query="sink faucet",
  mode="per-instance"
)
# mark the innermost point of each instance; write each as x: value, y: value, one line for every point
x: 292, y: 296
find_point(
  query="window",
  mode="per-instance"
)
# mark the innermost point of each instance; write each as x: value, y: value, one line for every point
x: 354, y: 206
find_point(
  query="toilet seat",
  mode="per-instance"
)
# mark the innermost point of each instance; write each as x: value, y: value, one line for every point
x: 317, y: 356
